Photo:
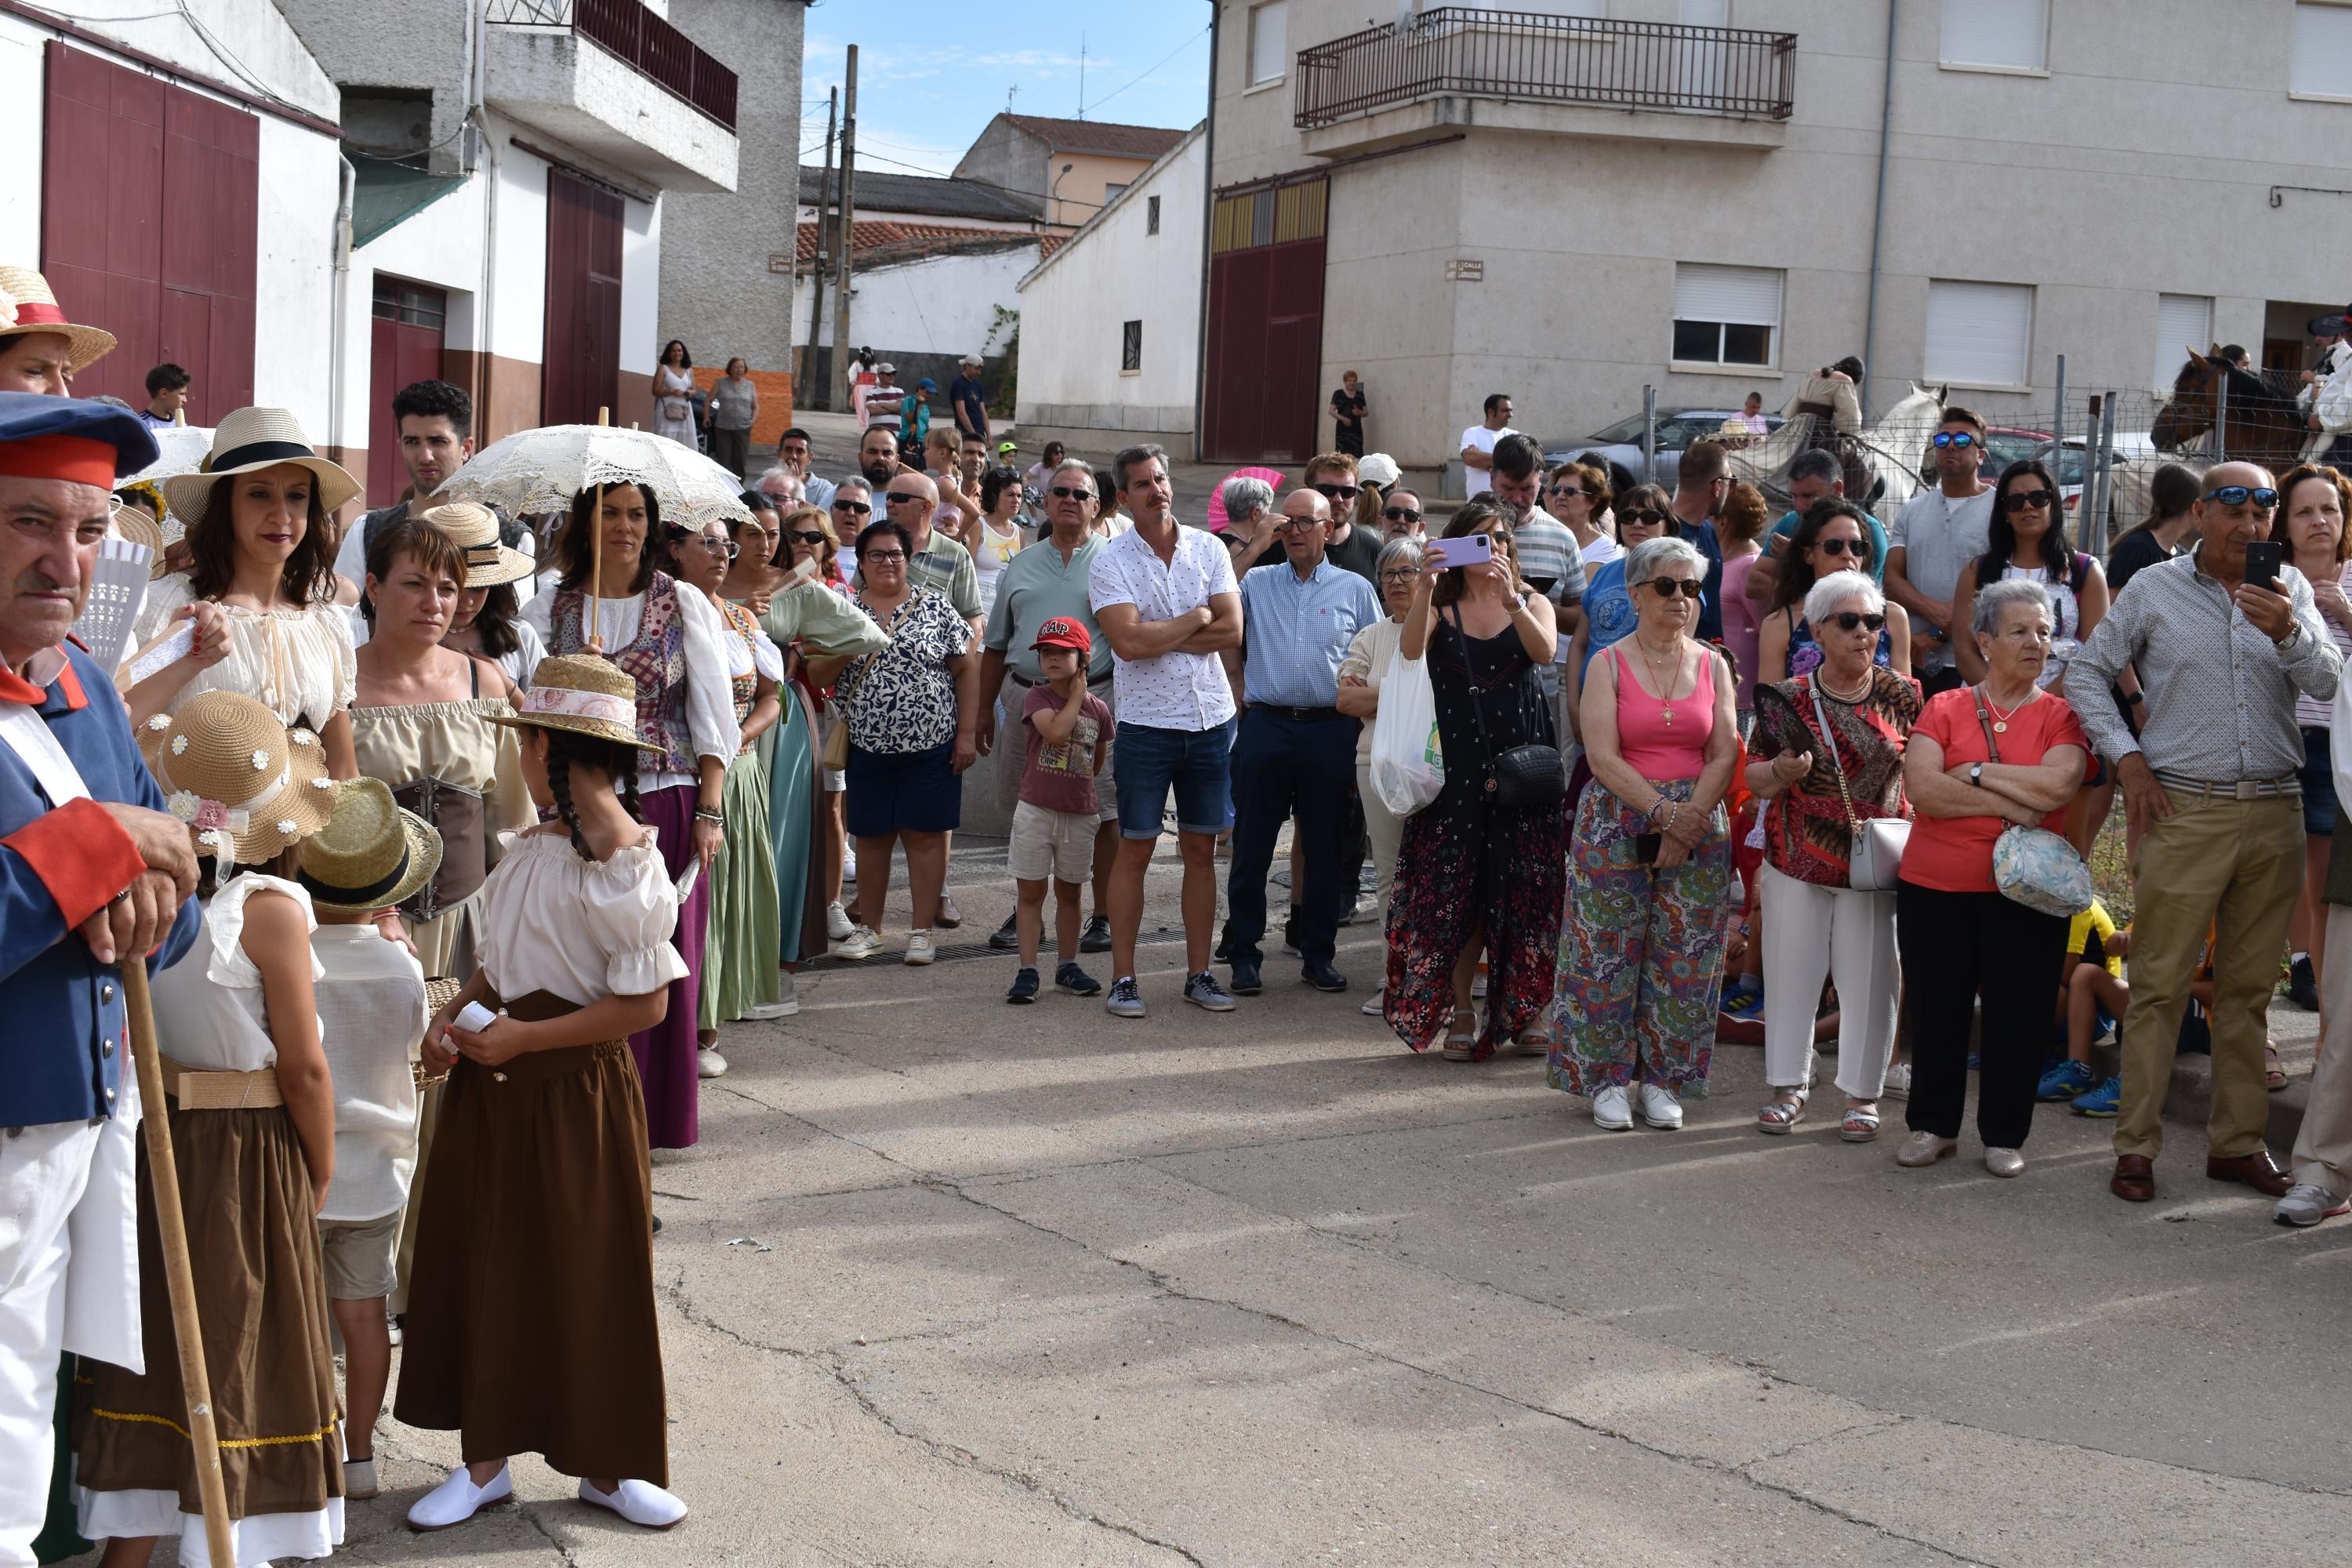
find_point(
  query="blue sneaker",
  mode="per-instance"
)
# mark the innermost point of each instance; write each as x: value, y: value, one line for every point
x: 1024, y: 988
x: 1075, y: 982
x: 2103, y: 1101
x: 2066, y: 1081
x: 1744, y: 1004
x: 1202, y: 991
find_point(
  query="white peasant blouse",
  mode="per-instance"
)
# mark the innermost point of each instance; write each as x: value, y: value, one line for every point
x: 300, y: 664
x: 613, y: 938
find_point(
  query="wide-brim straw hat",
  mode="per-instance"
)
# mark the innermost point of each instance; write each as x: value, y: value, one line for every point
x: 371, y: 855
x: 254, y: 438
x: 248, y: 787
x: 133, y: 524
x: 474, y: 529
x: 583, y: 694
x: 27, y: 306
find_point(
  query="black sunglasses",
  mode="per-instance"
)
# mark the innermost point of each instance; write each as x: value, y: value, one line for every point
x: 2021, y: 500
x: 1401, y: 514
x: 1655, y: 519
x: 2238, y: 495
x: 892, y: 497
x: 1067, y: 493
x: 1840, y: 546
x: 1954, y: 439
x: 861, y: 507
x: 1846, y: 620
x: 1568, y: 491
x: 1667, y: 587
x: 812, y: 536
x: 1337, y: 492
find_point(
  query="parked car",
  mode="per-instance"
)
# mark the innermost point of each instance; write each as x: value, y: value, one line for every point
x: 2073, y: 468
x: 1620, y: 444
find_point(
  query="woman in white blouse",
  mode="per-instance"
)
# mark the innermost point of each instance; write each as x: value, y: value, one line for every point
x: 673, y: 382
x: 672, y: 641
x: 260, y: 591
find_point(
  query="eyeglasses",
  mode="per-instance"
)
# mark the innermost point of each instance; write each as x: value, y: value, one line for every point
x: 861, y: 507
x: 1337, y: 492
x: 1401, y: 514
x: 1070, y: 493
x: 2262, y: 495
x: 1955, y: 439
x: 1847, y: 620
x: 1840, y: 546
x: 1298, y: 524
x: 883, y: 557
x: 809, y: 536
x: 892, y: 497
x: 717, y: 546
x: 1399, y: 574
x: 1667, y: 587
x: 2027, y: 501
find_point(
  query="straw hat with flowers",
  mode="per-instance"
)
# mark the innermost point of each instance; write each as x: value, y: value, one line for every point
x: 254, y: 438
x: 248, y: 787
x: 474, y: 529
x: 27, y: 306
x: 583, y: 694
x: 371, y: 855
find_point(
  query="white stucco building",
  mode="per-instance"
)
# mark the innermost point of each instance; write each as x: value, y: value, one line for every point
x: 1111, y: 322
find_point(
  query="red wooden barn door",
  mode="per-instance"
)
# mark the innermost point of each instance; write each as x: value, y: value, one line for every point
x: 584, y: 300
x: 405, y: 347
x: 1265, y: 323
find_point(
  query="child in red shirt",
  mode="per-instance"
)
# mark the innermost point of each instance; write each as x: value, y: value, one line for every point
x: 1066, y: 727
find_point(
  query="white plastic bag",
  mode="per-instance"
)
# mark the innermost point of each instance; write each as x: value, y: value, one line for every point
x: 1408, y: 763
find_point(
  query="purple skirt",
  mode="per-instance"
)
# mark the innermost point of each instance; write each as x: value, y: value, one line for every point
x: 665, y: 1053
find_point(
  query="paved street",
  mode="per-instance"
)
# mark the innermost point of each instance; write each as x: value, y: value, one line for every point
x: 949, y: 1282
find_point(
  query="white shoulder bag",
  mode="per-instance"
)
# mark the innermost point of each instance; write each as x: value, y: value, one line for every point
x: 1874, y: 861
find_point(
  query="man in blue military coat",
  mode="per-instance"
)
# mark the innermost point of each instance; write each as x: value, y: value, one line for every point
x: 92, y: 869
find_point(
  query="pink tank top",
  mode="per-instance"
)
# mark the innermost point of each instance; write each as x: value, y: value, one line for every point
x: 1654, y: 745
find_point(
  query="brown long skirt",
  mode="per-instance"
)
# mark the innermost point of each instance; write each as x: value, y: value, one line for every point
x: 261, y: 1296
x: 530, y: 1318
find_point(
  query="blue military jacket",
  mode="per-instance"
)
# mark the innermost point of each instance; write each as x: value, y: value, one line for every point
x: 62, y: 1040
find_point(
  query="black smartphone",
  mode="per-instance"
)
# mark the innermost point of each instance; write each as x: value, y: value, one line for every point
x: 2264, y: 559
x: 1646, y: 847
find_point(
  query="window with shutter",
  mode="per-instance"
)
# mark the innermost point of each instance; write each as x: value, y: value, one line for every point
x: 2321, y: 65
x: 1726, y: 315
x: 1997, y: 35
x: 1979, y: 334
x: 1151, y: 215
x: 1130, y: 346
x: 1269, y: 54
x: 2183, y: 321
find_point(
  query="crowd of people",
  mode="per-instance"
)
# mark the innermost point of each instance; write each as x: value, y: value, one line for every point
x: 1682, y: 768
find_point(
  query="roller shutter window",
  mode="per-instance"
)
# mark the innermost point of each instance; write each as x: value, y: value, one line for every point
x: 2183, y: 321
x: 2322, y: 62
x: 1269, y: 37
x: 1998, y: 35
x: 1726, y: 315
x: 1979, y: 334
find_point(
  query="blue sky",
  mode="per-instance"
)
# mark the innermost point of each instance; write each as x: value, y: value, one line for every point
x: 931, y: 73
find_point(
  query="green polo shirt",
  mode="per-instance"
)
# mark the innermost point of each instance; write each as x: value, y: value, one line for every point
x: 1037, y: 586
x: 945, y: 568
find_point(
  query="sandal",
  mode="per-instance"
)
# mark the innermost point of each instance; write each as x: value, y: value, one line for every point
x: 2274, y: 1075
x: 1861, y: 1124
x: 1535, y: 1042
x: 1461, y: 1035
x: 1781, y: 1115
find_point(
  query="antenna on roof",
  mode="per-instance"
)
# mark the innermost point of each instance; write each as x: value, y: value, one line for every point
x: 1008, y: 94
x: 1082, y: 76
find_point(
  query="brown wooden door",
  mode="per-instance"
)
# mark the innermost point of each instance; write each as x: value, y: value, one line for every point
x: 584, y: 300
x: 405, y: 347
x: 1265, y: 324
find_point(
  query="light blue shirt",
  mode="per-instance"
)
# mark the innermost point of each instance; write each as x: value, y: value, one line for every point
x: 819, y: 493
x: 1296, y: 633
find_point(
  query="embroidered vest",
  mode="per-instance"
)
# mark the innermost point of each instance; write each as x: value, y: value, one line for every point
x: 655, y: 661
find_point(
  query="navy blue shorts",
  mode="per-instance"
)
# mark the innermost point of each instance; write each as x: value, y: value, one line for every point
x: 902, y: 791
x: 1196, y: 764
x: 2318, y: 775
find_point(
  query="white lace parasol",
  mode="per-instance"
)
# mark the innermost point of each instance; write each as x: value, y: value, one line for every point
x: 535, y: 471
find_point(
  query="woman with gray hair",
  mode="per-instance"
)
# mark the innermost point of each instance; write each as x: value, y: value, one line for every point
x: 1981, y: 759
x: 1250, y: 517
x: 1827, y: 754
x: 1651, y: 858
x: 1366, y: 661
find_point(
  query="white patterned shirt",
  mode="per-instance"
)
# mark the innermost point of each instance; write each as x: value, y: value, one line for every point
x: 1175, y: 690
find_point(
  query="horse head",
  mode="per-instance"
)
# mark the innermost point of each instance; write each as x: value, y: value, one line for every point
x: 2189, y: 412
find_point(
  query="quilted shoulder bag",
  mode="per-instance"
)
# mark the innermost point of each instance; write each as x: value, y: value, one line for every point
x: 1532, y: 774
x: 1875, y: 855
x: 2034, y: 866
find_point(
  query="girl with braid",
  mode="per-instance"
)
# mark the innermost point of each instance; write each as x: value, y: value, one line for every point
x: 531, y: 1318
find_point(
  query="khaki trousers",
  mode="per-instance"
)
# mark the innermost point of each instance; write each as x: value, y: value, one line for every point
x: 2216, y: 859
x: 2323, y: 1149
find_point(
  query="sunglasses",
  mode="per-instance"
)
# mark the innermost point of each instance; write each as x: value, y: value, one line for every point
x: 2238, y: 495
x: 1652, y: 519
x: 1401, y: 514
x: 892, y: 498
x: 1955, y: 439
x: 1568, y: 491
x: 1068, y: 493
x: 1337, y: 492
x: 2027, y: 501
x: 1667, y: 587
x: 1847, y: 620
x: 812, y: 536
x: 1840, y: 546
x: 861, y: 507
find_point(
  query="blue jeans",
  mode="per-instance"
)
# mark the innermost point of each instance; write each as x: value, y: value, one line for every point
x: 1195, y: 762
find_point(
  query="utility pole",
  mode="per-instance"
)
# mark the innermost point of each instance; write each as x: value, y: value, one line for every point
x: 849, y: 222
x: 813, y: 374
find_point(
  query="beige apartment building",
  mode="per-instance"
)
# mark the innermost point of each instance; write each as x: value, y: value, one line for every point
x: 1572, y: 199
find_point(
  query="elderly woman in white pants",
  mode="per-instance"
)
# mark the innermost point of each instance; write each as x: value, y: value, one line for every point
x: 1827, y: 756
x: 1360, y: 671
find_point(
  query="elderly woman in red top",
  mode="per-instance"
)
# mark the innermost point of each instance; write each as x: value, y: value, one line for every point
x: 672, y: 642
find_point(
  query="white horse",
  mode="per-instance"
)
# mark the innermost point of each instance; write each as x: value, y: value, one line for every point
x: 1892, y: 448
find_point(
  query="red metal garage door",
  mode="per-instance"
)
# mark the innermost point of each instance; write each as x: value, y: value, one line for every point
x: 584, y: 300
x: 1266, y: 323
x: 150, y: 213
x: 405, y: 347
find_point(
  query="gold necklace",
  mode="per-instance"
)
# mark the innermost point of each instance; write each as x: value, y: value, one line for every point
x: 1666, y: 697
x: 2000, y: 720
x: 1823, y: 686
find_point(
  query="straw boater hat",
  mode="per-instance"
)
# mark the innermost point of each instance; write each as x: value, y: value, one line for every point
x: 371, y: 855
x: 248, y: 787
x: 475, y: 530
x: 27, y: 306
x: 254, y: 438
x: 583, y: 694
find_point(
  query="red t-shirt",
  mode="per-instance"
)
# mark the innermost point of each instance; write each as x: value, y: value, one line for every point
x: 1062, y: 777
x: 1955, y: 853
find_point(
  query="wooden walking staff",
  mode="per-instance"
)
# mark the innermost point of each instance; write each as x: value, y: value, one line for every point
x: 592, y: 637
x: 179, y: 1275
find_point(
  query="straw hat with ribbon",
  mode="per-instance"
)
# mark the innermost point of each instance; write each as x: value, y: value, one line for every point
x: 248, y: 787
x: 475, y: 530
x: 371, y: 855
x: 254, y: 438
x: 583, y: 694
x: 27, y: 306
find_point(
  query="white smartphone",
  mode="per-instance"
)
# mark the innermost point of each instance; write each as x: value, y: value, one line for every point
x: 687, y: 877
x: 473, y: 1017
x: 1465, y: 550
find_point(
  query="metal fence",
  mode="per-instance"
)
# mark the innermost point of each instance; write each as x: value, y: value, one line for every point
x: 1529, y: 56
x: 641, y: 40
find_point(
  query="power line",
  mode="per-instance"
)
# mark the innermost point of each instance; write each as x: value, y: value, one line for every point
x: 1164, y: 59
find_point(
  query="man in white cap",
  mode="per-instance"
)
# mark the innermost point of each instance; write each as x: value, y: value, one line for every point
x: 970, y: 399
x: 882, y: 400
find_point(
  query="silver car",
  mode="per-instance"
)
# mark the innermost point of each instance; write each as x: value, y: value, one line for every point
x: 1620, y: 444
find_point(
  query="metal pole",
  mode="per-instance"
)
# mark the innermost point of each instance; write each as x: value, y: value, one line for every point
x: 849, y: 222
x: 2222, y: 417
x: 2087, y: 504
x: 1878, y: 213
x: 810, y: 375
x: 1649, y: 435
x: 2106, y: 474
x: 2058, y: 422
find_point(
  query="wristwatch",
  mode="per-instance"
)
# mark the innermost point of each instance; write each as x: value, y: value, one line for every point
x: 1976, y: 776
x: 2133, y: 699
x: 2286, y: 642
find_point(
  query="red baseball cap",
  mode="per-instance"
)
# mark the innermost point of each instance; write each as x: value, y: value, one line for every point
x: 1059, y: 633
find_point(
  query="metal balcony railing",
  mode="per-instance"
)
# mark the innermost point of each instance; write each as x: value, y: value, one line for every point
x: 639, y: 39
x: 1525, y: 56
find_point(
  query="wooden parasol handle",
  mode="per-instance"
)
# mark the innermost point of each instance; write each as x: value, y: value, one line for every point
x: 591, y: 637
x: 179, y: 1275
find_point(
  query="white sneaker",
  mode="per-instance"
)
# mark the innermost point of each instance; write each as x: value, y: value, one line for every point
x: 1612, y: 1108
x: 786, y: 1005
x: 639, y: 1502
x: 1899, y: 1082
x: 1660, y: 1108
x: 849, y: 865
x: 837, y: 922
x: 709, y: 1063
x: 457, y: 1499
x: 860, y: 943
x: 919, y: 947
x: 1376, y: 1005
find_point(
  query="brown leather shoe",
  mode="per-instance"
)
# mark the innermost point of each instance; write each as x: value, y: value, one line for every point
x: 2135, y: 1178
x: 2258, y: 1169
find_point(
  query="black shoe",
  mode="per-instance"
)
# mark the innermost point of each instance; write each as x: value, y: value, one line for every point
x: 1223, y: 954
x: 1006, y: 938
x: 2303, y: 986
x: 1318, y: 973
x: 1077, y: 982
x: 1290, y: 933
x: 1247, y: 979
x: 1024, y: 987
x: 1096, y: 937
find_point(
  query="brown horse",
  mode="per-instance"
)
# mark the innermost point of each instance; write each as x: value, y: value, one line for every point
x: 2264, y: 425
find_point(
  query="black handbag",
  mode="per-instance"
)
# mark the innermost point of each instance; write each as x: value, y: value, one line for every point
x: 1530, y: 775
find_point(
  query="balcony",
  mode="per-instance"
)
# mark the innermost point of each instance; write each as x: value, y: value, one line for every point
x: 1518, y: 70
x: 614, y: 81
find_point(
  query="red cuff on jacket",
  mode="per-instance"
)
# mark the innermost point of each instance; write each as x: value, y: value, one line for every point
x: 82, y: 855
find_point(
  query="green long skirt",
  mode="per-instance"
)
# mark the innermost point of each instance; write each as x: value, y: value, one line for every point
x: 790, y: 746
x: 739, y: 958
